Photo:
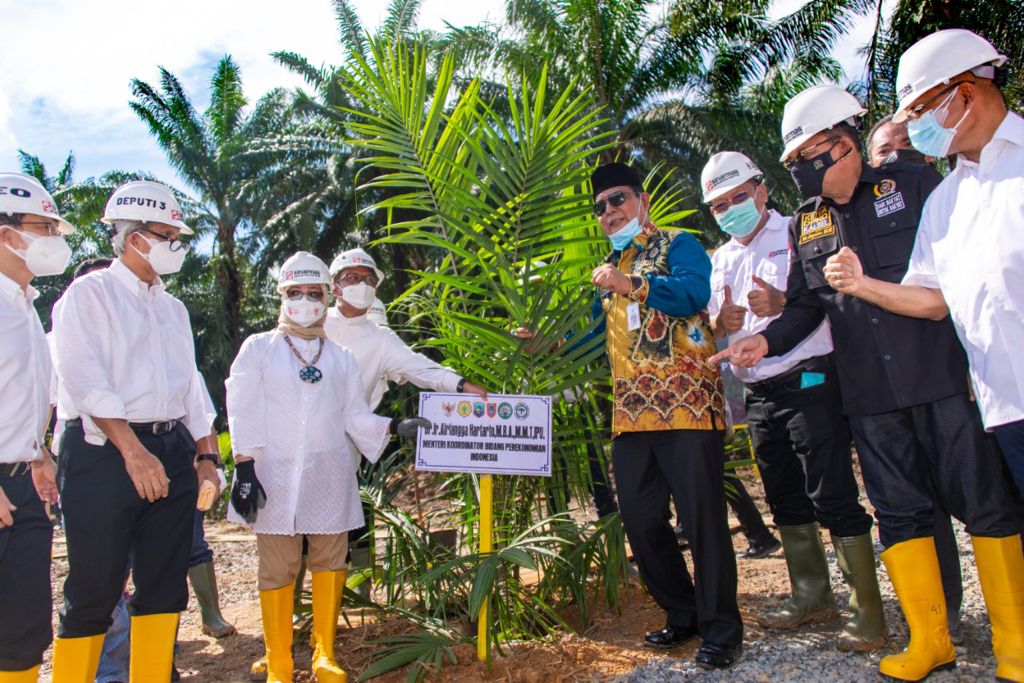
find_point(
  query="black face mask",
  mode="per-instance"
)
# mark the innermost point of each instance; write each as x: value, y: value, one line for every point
x: 906, y: 155
x: 809, y: 174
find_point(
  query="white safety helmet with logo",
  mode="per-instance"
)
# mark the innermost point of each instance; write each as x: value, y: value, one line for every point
x: 937, y: 58
x: 814, y: 110
x: 725, y: 171
x: 353, y: 258
x: 378, y: 313
x: 303, y: 268
x: 20, y: 193
x: 145, y: 201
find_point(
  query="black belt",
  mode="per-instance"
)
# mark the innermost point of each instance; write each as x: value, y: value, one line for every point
x: 15, y: 469
x: 155, y: 428
x: 767, y: 386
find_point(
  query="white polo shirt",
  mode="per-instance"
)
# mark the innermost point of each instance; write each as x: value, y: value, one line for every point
x: 767, y: 257
x: 970, y: 245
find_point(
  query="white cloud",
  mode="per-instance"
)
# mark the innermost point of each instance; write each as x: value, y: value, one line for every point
x: 72, y: 85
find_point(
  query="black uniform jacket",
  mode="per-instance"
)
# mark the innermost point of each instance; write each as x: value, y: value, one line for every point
x: 885, y: 361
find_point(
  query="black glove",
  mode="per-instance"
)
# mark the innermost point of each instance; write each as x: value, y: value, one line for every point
x: 247, y: 494
x: 409, y: 426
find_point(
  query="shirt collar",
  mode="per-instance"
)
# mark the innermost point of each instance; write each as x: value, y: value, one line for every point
x: 334, y: 314
x: 1011, y: 130
x: 123, y: 274
x: 10, y: 290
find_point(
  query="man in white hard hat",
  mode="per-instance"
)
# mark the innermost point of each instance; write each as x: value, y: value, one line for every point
x: 381, y: 354
x: 794, y: 412
x: 903, y: 380
x: 968, y: 263
x: 298, y: 420
x: 31, y: 245
x: 133, y: 409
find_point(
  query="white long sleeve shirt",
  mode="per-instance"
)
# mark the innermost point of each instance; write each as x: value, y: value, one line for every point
x: 24, y: 375
x: 970, y: 245
x: 767, y: 257
x: 301, y: 435
x: 383, y: 357
x: 125, y: 350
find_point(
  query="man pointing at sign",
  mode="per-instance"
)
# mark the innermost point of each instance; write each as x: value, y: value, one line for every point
x: 667, y: 416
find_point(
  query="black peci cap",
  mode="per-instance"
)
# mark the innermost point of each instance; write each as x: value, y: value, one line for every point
x: 614, y: 175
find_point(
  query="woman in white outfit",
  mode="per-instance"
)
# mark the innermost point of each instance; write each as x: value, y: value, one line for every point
x: 293, y: 397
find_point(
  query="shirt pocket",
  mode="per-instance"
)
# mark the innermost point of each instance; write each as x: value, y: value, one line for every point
x: 892, y: 239
x: 813, y: 255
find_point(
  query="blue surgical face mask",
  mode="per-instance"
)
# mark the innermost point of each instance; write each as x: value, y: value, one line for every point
x: 739, y: 220
x: 928, y: 135
x: 622, y: 238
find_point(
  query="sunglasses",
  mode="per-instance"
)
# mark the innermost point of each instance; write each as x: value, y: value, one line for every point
x: 615, y: 199
x: 723, y: 205
x: 297, y: 294
x: 806, y: 154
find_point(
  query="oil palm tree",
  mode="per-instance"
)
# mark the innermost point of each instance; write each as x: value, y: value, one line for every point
x: 208, y: 151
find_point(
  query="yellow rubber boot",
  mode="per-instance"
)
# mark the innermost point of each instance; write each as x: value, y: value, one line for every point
x: 327, y: 590
x: 1001, y: 571
x: 75, y: 659
x: 26, y: 676
x: 276, y: 606
x: 152, y: 647
x: 914, y: 572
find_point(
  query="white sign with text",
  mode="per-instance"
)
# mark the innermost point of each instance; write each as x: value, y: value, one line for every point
x: 502, y: 435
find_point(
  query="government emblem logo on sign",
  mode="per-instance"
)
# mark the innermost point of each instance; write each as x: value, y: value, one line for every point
x: 478, y: 409
x: 492, y: 409
x: 505, y: 411
x: 465, y: 409
x: 522, y: 411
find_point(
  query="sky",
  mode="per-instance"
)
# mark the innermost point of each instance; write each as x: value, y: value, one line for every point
x: 67, y: 67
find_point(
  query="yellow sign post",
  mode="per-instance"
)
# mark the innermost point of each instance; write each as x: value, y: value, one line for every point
x: 486, y: 534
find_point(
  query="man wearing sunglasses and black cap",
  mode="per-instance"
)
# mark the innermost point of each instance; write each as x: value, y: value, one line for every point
x: 667, y: 416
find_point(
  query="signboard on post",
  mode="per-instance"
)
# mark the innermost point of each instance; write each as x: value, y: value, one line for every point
x: 502, y: 435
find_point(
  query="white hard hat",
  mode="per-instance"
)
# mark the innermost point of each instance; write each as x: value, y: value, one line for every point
x: 146, y: 201
x: 353, y: 258
x: 535, y: 275
x: 303, y: 268
x: 936, y: 59
x: 724, y: 171
x: 378, y: 313
x: 814, y: 110
x: 20, y: 193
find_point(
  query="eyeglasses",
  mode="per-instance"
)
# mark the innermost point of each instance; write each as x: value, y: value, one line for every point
x: 616, y: 199
x: 175, y: 243
x: 723, y: 205
x: 297, y: 294
x: 355, y: 279
x: 916, y: 111
x: 51, y: 227
x: 808, y: 153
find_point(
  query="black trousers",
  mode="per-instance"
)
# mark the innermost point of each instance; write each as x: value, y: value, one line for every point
x: 802, y: 445
x: 936, y: 451
x: 107, y: 523
x: 745, y: 509
x: 687, y: 465
x: 25, y: 597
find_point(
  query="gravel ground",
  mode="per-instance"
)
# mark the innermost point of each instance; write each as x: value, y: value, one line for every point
x: 808, y: 654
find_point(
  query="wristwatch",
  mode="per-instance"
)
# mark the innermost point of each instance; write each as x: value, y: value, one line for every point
x: 212, y: 457
x: 461, y: 386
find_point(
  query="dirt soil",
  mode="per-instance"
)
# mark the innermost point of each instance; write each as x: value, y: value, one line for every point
x: 609, y: 648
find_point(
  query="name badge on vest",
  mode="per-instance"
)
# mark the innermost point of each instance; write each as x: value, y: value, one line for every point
x: 633, y: 316
x: 816, y: 225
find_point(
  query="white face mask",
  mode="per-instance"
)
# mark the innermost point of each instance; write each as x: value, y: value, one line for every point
x: 359, y: 296
x: 47, y: 255
x: 304, y: 312
x: 162, y: 259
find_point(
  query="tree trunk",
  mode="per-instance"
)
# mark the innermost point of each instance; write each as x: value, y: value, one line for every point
x: 230, y: 279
